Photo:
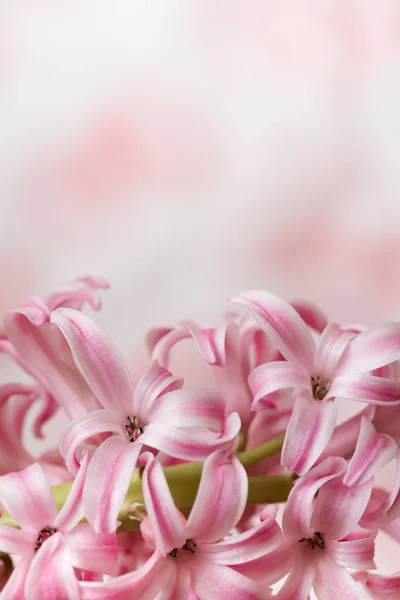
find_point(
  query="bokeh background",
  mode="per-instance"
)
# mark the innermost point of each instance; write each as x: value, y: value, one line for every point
x: 188, y: 150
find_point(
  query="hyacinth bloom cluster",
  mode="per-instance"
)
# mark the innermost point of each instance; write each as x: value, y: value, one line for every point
x: 246, y: 488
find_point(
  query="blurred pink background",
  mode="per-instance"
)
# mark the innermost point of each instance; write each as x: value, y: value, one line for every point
x: 190, y: 150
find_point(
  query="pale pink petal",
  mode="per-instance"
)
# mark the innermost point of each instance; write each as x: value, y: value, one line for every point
x: 339, y: 508
x: 155, y: 334
x: 76, y: 293
x: 179, y: 589
x: 211, y: 342
x: 142, y: 584
x: 220, y: 500
x: 333, y: 582
x: 165, y: 343
x: 298, y: 510
x: 72, y: 510
x: 372, y: 349
x: 190, y: 446
x: 366, y: 388
x: 92, y: 551
x: 345, y: 435
x: 311, y: 315
x: 245, y: 547
x: 357, y: 553
x: 84, y: 428
x: 372, y: 452
x: 27, y: 496
x: 190, y: 408
x: 44, y: 354
x: 299, y: 581
x: 156, y: 382
x: 14, y: 588
x: 217, y: 582
x: 275, y: 376
x: 387, y: 586
x: 283, y: 324
x: 15, y: 541
x: 98, y: 359
x: 269, y: 568
x: 107, y: 482
x: 334, y: 341
x: 166, y: 520
x: 309, y: 430
x: 51, y: 575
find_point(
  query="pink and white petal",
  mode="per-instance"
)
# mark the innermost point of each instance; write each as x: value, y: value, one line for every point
x: 373, y: 451
x: 333, y: 582
x: 269, y: 568
x: 366, y: 388
x: 14, y: 588
x: 16, y: 541
x: 144, y: 583
x: 247, y: 546
x: 27, y: 496
x: 98, y: 359
x: 299, y: 582
x: 166, y: 520
x: 72, y: 510
x: 107, y: 482
x: 308, y: 433
x: 180, y: 586
x: 51, y: 575
x: 372, y: 349
x: 220, y: 500
x: 76, y: 293
x: 357, y: 553
x: 92, y: 551
x: 385, y: 586
x: 311, y: 315
x: 218, y: 582
x: 84, y: 428
x: 190, y: 408
x: 345, y: 436
x: 211, y: 341
x: 155, y: 383
x: 274, y: 376
x: 282, y: 324
x: 334, y: 341
x: 297, y: 514
x: 339, y: 508
x: 154, y: 335
x: 190, y: 446
x: 165, y: 343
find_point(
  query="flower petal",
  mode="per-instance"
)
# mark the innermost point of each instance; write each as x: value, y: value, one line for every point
x: 311, y: 315
x: 274, y: 376
x: 372, y: 349
x: 107, y: 482
x: 15, y: 541
x: 217, y: 582
x: 84, y: 428
x: 269, y: 568
x: 143, y: 584
x: 387, y: 586
x: 75, y: 294
x: 51, y: 575
x: 333, y: 582
x: 299, y: 581
x: 309, y: 430
x: 334, y: 341
x: 345, y: 435
x: 283, y: 324
x: 166, y: 520
x: 98, y: 359
x: 26, y: 495
x: 166, y: 340
x: 92, y: 551
x: 372, y: 452
x: 190, y: 408
x: 72, y: 510
x: 155, y: 383
x: 366, y: 388
x: 298, y: 510
x: 14, y: 588
x: 220, y: 500
x: 190, y: 446
x: 355, y: 553
x: 339, y: 508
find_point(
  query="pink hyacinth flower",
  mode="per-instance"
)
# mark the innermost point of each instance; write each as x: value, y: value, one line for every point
x: 186, y: 424
x: 340, y: 366
x: 322, y: 533
x: 41, y: 351
x: 50, y: 545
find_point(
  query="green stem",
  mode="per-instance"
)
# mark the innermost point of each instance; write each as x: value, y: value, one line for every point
x: 183, y: 481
